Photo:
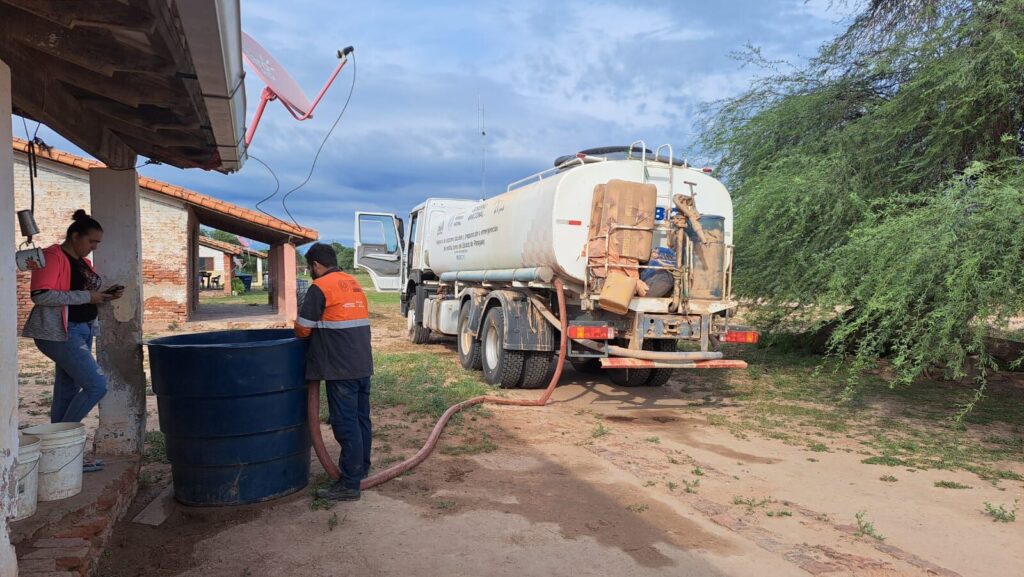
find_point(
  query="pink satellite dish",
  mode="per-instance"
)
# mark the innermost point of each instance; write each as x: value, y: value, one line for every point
x: 280, y: 85
x: 274, y: 75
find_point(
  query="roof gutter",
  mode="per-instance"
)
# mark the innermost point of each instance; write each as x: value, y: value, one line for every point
x: 213, y: 30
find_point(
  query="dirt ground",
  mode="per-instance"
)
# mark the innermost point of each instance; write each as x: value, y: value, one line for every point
x: 693, y: 478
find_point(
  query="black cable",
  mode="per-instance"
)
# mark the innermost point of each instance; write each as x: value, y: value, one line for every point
x: 277, y: 187
x: 322, y: 143
x: 147, y: 163
x: 33, y: 167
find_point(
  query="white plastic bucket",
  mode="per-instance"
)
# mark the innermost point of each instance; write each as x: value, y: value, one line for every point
x: 27, y: 475
x: 62, y: 448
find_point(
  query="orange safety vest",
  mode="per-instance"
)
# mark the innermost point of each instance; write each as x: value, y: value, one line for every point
x: 345, y: 305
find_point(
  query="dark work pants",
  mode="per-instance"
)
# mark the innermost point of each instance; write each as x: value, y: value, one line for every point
x: 349, y: 403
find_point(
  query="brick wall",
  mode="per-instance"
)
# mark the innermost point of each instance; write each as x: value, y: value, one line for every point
x: 60, y: 190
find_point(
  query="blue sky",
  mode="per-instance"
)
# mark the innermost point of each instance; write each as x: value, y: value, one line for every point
x: 554, y: 78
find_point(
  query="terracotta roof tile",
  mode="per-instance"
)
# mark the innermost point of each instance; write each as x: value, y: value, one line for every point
x: 229, y: 248
x: 189, y: 196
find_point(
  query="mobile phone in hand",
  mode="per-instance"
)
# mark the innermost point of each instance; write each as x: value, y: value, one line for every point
x: 113, y: 289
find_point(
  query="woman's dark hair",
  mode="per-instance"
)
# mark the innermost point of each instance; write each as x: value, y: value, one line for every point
x: 83, y: 224
x: 322, y: 254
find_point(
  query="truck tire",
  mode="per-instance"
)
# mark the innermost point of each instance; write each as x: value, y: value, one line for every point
x: 469, y: 345
x: 587, y: 366
x: 629, y: 377
x: 538, y: 368
x: 501, y: 367
x: 660, y: 376
x: 418, y: 334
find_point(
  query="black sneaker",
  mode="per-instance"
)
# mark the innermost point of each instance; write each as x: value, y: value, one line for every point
x: 338, y: 492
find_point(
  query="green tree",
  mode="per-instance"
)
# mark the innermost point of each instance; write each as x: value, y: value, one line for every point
x: 884, y: 177
x: 345, y: 256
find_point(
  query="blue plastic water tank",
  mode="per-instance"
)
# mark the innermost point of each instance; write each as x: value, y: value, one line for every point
x: 233, y: 411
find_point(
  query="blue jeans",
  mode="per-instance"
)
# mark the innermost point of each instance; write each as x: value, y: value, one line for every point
x: 349, y: 403
x: 78, y: 384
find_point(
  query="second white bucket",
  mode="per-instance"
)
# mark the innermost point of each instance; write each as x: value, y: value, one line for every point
x: 27, y: 475
x: 62, y: 449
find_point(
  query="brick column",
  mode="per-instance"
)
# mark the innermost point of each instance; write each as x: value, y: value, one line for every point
x: 229, y: 269
x: 282, y: 274
x: 115, y: 204
x: 8, y: 332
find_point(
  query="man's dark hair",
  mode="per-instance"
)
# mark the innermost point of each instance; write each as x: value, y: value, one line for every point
x: 323, y: 254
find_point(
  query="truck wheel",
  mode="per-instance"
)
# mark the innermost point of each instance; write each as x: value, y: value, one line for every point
x: 538, y: 368
x: 660, y: 376
x: 469, y: 346
x: 585, y: 365
x: 629, y: 377
x: 418, y: 334
x: 501, y: 367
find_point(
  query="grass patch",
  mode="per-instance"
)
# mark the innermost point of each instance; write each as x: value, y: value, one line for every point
x: 1000, y: 513
x: 472, y: 446
x: 751, y: 503
x: 951, y: 485
x: 691, y: 486
x: 655, y: 440
x: 444, y: 505
x: 155, y: 448
x: 818, y: 447
x: 332, y: 521
x: 423, y: 384
x: 888, y: 461
x: 672, y: 486
x: 698, y: 471
x: 637, y: 507
x: 888, y: 478
x: 600, y: 431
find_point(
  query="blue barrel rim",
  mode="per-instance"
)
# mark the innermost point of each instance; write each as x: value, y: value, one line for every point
x: 167, y: 342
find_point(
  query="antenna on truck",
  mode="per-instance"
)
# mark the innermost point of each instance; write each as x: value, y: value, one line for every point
x: 481, y: 124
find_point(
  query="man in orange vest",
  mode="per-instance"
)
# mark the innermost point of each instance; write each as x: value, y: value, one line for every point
x: 335, y: 319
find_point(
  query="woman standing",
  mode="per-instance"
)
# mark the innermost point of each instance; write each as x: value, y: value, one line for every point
x: 66, y: 294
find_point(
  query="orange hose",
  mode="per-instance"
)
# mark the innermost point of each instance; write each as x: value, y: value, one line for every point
x: 313, y: 416
x: 435, y: 434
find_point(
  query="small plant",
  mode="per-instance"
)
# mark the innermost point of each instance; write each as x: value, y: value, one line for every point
x: 484, y: 445
x: 750, y: 502
x: 599, y: 431
x: 672, y: 460
x: 156, y: 448
x: 332, y: 521
x: 671, y: 486
x: 650, y: 483
x: 691, y: 486
x: 654, y: 440
x: 818, y: 447
x: 637, y: 507
x: 698, y: 471
x: 1001, y: 513
x: 865, y: 527
x: 444, y: 504
x: 145, y: 478
x: 780, y: 513
x: 888, y: 478
x: 173, y: 326
x: 318, y: 503
x: 951, y: 485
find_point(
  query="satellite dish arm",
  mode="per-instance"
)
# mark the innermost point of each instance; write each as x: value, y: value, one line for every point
x: 268, y: 95
x: 342, y: 60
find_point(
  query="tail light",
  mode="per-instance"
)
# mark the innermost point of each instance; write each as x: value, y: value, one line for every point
x: 595, y: 333
x: 744, y: 337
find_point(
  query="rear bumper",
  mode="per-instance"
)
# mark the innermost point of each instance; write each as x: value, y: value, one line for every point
x: 625, y: 363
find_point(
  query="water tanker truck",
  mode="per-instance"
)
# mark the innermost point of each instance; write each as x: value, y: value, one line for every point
x: 640, y: 241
